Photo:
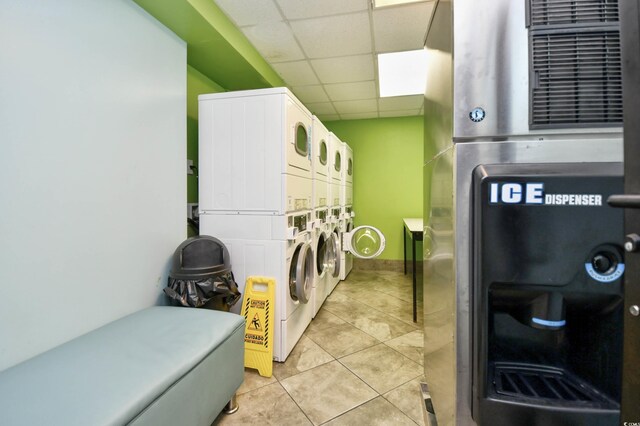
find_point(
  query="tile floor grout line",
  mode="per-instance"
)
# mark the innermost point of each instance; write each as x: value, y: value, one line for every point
x: 417, y: 328
x: 406, y: 414
x: 361, y: 378
x: 295, y: 402
x: 391, y: 347
x: 415, y: 324
x: 351, y: 409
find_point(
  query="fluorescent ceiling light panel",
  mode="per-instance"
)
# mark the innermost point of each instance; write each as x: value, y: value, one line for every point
x: 384, y: 3
x: 402, y: 73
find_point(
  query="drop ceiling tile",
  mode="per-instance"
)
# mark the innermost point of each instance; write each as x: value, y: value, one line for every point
x: 344, y: 69
x: 351, y: 91
x: 400, y: 103
x: 352, y: 107
x: 339, y: 35
x: 296, y: 9
x: 250, y: 12
x: 296, y: 73
x: 329, y: 117
x: 311, y: 94
x: 359, y: 115
x: 401, y: 28
x: 406, y: 113
x: 321, y: 108
x: 274, y: 41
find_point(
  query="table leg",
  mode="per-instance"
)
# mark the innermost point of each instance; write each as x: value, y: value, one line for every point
x: 404, y: 248
x: 413, y: 251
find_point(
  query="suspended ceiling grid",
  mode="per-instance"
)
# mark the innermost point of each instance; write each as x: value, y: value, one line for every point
x: 325, y: 50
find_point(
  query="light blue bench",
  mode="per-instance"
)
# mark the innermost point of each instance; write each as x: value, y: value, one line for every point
x: 160, y: 366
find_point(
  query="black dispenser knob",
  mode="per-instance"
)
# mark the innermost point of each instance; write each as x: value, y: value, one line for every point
x: 603, y: 263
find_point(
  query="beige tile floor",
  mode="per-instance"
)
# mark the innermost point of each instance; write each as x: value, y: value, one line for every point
x: 358, y: 363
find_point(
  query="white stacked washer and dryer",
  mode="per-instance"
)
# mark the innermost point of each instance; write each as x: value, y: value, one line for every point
x: 346, y: 203
x: 326, y: 244
x: 336, y: 222
x: 255, y: 190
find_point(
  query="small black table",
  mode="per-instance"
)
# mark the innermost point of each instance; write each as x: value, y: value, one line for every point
x: 413, y: 227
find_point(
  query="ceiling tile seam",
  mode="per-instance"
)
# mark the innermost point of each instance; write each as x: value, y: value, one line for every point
x: 323, y: 58
x: 304, y: 53
x: 333, y: 15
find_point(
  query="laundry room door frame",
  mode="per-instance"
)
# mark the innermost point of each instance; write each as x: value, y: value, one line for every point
x: 630, y: 37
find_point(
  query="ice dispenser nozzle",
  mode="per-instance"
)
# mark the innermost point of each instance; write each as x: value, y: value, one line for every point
x: 547, y: 312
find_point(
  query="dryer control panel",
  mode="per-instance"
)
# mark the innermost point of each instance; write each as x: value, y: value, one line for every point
x: 299, y: 221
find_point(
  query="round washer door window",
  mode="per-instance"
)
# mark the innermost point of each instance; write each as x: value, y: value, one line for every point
x: 350, y: 167
x: 335, y: 249
x: 302, y: 142
x: 366, y: 242
x: 301, y: 273
x: 321, y: 255
x: 323, y: 153
x: 338, y: 162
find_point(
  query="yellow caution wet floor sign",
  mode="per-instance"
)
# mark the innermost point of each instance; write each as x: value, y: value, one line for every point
x: 258, y: 307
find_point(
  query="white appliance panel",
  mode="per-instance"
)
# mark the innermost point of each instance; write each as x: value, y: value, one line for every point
x: 336, y: 194
x: 248, y: 151
x: 346, y: 194
x: 321, y: 191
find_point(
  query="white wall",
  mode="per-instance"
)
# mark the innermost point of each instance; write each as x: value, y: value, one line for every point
x: 92, y: 167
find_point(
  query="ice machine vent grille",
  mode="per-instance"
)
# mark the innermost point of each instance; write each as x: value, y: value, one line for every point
x: 575, y: 68
x: 577, y: 78
x: 547, y: 384
x: 562, y: 12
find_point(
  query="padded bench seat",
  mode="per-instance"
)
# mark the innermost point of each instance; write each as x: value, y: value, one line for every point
x: 160, y: 366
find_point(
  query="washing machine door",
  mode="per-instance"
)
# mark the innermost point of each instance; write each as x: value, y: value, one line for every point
x: 364, y: 242
x: 321, y: 255
x: 301, y: 273
x: 334, y: 249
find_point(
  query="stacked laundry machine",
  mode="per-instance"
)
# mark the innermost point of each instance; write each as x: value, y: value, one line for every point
x: 336, y: 221
x: 273, y: 187
x: 346, y: 204
x: 326, y: 240
x: 255, y: 192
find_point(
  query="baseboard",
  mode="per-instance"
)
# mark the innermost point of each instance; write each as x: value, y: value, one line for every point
x: 384, y: 265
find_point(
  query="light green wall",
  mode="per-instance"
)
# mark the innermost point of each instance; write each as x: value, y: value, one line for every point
x: 387, y: 169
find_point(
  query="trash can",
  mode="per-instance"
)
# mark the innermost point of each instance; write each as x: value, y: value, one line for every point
x: 201, y: 275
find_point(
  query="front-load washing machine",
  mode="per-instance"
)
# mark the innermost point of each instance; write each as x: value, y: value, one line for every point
x: 326, y: 250
x: 346, y: 203
x: 279, y: 247
x: 335, y: 235
x: 325, y: 245
x: 255, y: 152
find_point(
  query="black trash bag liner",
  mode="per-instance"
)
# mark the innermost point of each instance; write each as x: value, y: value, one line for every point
x: 198, y: 292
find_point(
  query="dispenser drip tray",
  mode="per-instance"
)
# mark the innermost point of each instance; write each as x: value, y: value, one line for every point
x: 545, y: 385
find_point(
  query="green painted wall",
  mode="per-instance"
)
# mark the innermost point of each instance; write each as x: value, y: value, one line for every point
x: 215, y: 46
x: 387, y: 168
